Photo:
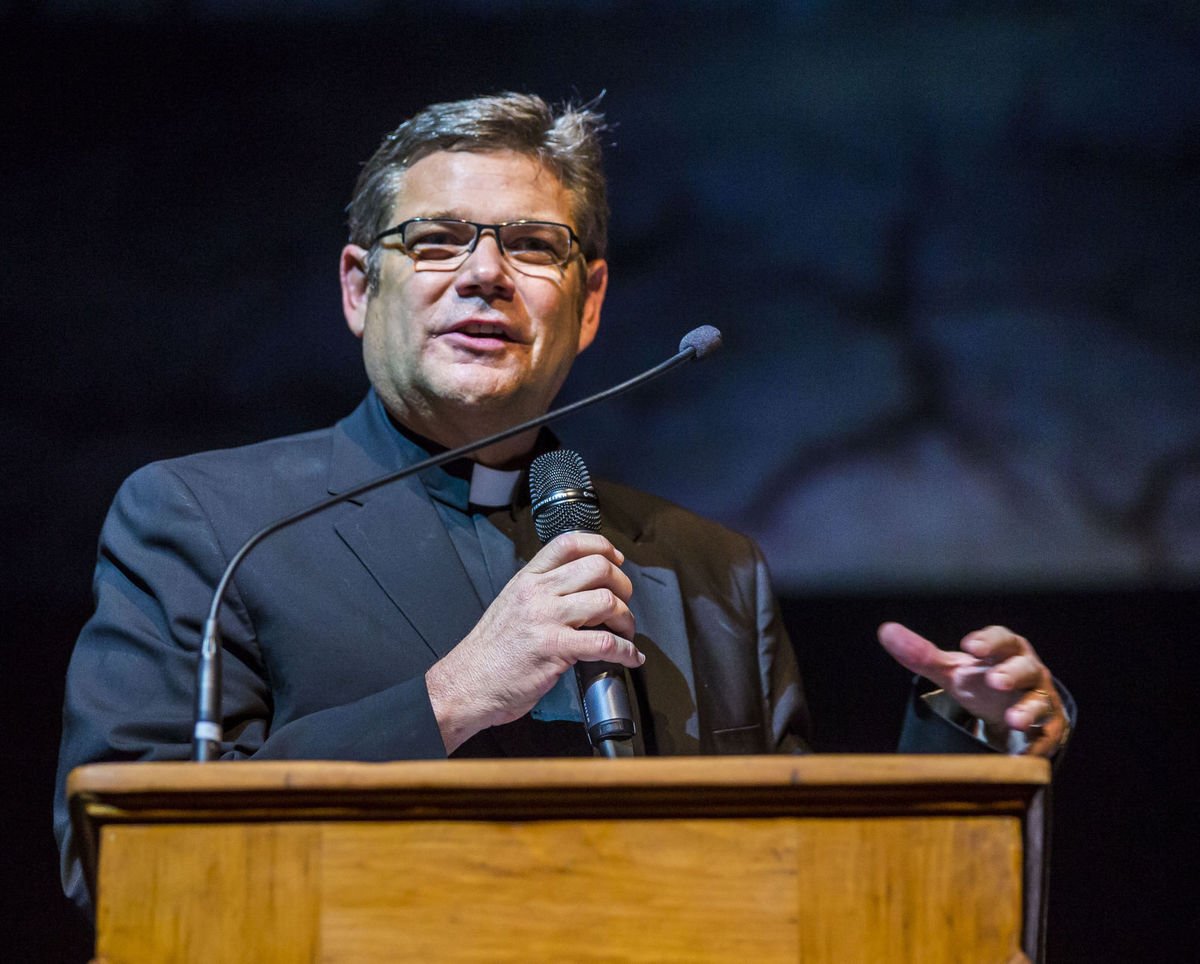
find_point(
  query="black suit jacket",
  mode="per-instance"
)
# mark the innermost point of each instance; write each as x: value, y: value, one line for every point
x: 330, y: 625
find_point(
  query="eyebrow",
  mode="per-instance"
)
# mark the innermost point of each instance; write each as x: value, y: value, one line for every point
x: 458, y: 216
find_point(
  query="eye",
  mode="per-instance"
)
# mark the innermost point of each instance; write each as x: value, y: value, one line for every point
x: 437, y: 240
x: 537, y: 242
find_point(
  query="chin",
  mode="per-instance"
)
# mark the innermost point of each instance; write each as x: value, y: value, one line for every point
x: 484, y: 393
x: 496, y: 390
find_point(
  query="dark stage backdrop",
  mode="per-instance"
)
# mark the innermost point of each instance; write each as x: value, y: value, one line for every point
x: 952, y: 247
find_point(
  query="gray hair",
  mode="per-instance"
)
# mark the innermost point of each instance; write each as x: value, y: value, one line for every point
x: 566, y: 142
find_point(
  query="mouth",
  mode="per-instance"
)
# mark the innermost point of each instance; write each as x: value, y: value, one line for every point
x: 480, y: 335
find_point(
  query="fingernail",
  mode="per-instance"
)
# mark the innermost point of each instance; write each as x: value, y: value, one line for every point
x: 641, y: 657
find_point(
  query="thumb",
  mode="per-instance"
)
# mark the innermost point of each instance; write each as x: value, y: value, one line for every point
x: 916, y: 653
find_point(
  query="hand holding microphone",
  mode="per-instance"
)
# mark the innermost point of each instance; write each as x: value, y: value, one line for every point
x: 568, y: 604
x: 567, y: 607
x: 564, y: 501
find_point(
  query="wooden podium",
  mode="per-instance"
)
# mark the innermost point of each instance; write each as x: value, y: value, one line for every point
x: 750, y: 859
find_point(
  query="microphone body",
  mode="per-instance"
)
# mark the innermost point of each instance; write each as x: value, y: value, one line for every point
x: 564, y: 500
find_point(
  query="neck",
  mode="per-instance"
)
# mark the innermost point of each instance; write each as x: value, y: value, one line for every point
x: 452, y: 433
x: 511, y: 454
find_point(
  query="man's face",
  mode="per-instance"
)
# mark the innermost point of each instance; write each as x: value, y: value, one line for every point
x: 488, y: 339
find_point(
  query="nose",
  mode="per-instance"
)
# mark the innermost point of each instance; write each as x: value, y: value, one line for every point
x: 485, y: 270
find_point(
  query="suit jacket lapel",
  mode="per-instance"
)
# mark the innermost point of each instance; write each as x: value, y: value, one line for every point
x: 665, y: 682
x: 398, y: 536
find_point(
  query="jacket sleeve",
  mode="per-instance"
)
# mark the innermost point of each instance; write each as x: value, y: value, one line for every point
x: 131, y: 678
x: 933, y: 723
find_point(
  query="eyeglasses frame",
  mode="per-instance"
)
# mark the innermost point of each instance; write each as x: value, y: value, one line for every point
x: 575, y: 246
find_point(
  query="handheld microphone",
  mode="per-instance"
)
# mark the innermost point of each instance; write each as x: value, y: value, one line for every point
x: 208, y: 730
x: 563, y: 500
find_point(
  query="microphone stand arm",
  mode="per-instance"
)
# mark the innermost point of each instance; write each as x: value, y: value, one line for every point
x: 208, y: 731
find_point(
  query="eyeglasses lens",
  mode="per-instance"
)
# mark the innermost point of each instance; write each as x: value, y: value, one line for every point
x: 526, y: 242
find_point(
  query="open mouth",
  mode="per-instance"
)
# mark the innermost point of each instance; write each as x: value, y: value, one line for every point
x: 478, y: 329
x: 480, y: 336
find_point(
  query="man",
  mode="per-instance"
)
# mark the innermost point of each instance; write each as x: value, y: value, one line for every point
x: 423, y: 619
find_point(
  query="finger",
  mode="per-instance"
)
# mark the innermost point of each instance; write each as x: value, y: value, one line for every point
x: 1040, y: 715
x: 1017, y: 673
x: 570, y: 546
x: 995, y: 643
x: 590, y: 572
x: 918, y: 654
x: 1032, y: 711
x: 592, y: 646
x: 599, y: 607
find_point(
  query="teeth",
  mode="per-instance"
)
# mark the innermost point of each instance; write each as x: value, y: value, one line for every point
x: 477, y: 328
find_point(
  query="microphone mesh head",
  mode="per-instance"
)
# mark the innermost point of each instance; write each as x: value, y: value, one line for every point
x: 560, y: 489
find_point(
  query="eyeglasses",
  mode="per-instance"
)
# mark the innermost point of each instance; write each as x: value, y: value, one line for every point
x: 444, y: 243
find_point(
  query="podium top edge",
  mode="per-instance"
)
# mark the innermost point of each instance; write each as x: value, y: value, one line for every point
x: 830, y: 770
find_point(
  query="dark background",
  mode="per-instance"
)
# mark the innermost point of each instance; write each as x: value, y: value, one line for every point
x: 952, y: 247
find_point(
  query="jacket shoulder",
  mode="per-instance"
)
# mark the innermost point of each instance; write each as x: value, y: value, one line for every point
x: 651, y: 519
x: 287, y: 454
x: 249, y: 485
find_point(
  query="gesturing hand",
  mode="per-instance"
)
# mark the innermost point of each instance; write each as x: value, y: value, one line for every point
x: 535, y: 630
x: 996, y: 676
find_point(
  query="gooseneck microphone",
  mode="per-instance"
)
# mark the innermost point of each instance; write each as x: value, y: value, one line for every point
x: 563, y: 500
x: 208, y: 730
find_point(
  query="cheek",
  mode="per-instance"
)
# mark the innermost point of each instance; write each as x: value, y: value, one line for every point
x: 399, y: 313
x: 562, y: 309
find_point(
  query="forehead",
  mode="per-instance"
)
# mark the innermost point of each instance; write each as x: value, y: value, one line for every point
x: 481, y: 186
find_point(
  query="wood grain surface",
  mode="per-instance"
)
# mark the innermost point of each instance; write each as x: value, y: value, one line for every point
x: 924, y: 865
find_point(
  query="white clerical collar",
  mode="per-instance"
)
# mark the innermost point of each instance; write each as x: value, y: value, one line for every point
x: 491, y: 487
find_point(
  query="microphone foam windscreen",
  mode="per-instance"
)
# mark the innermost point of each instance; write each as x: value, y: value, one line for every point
x: 560, y: 489
x: 706, y: 339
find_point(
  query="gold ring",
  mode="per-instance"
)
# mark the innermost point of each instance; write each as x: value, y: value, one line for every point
x: 1051, y: 712
x: 1048, y: 715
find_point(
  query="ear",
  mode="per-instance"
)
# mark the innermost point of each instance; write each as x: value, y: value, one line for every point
x: 353, y: 274
x: 593, y: 298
